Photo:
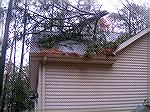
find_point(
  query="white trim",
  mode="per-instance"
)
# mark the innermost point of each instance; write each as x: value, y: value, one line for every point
x: 148, y: 67
x: 132, y: 39
x: 39, y: 89
x: 43, y: 87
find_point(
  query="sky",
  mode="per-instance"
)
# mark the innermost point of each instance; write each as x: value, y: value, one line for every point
x: 112, y: 5
x: 106, y: 4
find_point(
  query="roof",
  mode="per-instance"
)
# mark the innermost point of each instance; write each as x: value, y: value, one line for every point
x: 62, y: 51
x: 70, y: 45
x: 104, y: 56
x: 132, y: 39
x: 56, y: 52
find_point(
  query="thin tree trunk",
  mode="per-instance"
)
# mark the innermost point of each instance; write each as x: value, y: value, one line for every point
x: 8, y: 72
x: 4, y: 46
x: 14, y: 70
x: 23, y: 38
x: 94, y: 32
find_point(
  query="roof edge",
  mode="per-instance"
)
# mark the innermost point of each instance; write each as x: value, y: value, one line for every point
x: 132, y: 39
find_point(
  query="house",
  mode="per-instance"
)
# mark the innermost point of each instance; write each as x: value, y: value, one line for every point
x: 69, y: 83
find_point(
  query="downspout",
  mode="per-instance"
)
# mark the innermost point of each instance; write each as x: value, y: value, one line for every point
x: 43, y: 66
x: 41, y: 86
x: 148, y: 66
x: 39, y: 89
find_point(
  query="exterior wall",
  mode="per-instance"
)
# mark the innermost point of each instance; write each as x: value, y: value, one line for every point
x: 33, y: 75
x: 103, y: 88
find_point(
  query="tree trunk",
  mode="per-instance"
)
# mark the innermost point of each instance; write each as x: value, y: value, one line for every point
x: 5, y: 44
x: 3, y: 56
x: 23, y: 38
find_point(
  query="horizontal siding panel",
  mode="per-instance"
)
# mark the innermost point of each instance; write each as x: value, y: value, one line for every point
x: 96, y: 78
x: 95, y: 87
x: 95, y: 98
x: 104, y: 83
x: 100, y: 75
x: 103, y: 75
x: 107, y: 73
x: 90, y: 110
x: 91, y: 104
x: 135, y: 52
x: 136, y: 56
x: 96, y: 81
x: 127, y: 68
x: 118, y: 61
x: 131, y: 64
x: 101, y: 70
x: 140, y: 49
x: 144, y: 43
x: 97, y: 84
x: 124, y: 66
x: 105, y: 107
x: 136, y: 47
x: 100, y: 89
x: 97, y: 90
x: 50, y: 93
x: 133, y: 60
x: 140, y: 42
x: 101, y: 104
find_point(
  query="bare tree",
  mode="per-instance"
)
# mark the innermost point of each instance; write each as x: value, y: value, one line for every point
x: 132, y: 18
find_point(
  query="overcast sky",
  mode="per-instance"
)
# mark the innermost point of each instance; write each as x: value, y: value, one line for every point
x: 112, y: 5
x: 109, y: 5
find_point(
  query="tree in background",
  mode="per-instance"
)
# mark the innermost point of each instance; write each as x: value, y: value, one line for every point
x: 4, y: 45
x: 67, y: 22
x: 16, y: 94
x: 132, y: 18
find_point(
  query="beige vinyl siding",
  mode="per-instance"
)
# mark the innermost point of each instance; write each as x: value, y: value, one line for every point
x: 103, y: 88
x: 148, y: 66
